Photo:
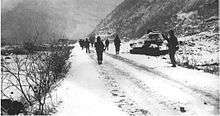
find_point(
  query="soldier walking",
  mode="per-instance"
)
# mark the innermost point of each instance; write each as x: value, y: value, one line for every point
x: 99, y: 47
x: 117, y: 43
x: 106, y: 44
x: 87, y: 45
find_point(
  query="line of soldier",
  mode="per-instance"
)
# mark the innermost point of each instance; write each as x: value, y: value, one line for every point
x: 100, y: 47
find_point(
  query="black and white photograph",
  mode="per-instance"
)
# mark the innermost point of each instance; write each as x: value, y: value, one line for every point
x: 110, y: 57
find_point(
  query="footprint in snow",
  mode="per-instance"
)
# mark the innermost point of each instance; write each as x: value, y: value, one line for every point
x: 114, y: 94
x: 117, y: 93
x: 122, y: 100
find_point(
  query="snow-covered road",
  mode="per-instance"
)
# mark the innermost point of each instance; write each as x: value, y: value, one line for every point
x: 123, y: 86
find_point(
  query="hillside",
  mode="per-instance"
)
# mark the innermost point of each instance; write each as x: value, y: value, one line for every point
x: 43, y: 20
x: 133, y: 18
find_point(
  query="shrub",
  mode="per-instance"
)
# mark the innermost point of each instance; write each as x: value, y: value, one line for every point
x: 35, y: 75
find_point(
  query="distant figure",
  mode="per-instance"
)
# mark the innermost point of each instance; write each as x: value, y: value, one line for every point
x: 87, y: 45
x: 92, y: 40
x: 106, y: 44
x: 99, y: 47
x: 117, y: 43
x: 81, y: 43
x: 172, y: 45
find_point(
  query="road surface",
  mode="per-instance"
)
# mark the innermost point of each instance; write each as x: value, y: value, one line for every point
x: 123, y: 87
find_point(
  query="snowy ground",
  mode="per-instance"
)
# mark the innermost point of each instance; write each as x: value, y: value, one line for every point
x: 200, y: 51
x: 83, y: 93
x: 135, y: 85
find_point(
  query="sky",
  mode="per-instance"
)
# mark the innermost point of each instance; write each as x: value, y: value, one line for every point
x: 73, y: 18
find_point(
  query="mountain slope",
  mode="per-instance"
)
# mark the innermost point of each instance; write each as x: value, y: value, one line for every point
x: 53, y: 19
x: 133, y: 18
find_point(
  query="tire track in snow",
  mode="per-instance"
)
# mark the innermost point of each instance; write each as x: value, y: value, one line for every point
x: 206, y: 96
x: 150, y: 96
x: 123, y: 102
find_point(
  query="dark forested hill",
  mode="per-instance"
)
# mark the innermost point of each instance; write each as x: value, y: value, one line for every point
x: 132, y: 18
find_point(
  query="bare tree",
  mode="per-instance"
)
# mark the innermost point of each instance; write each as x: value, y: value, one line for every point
x: 35, y: 75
